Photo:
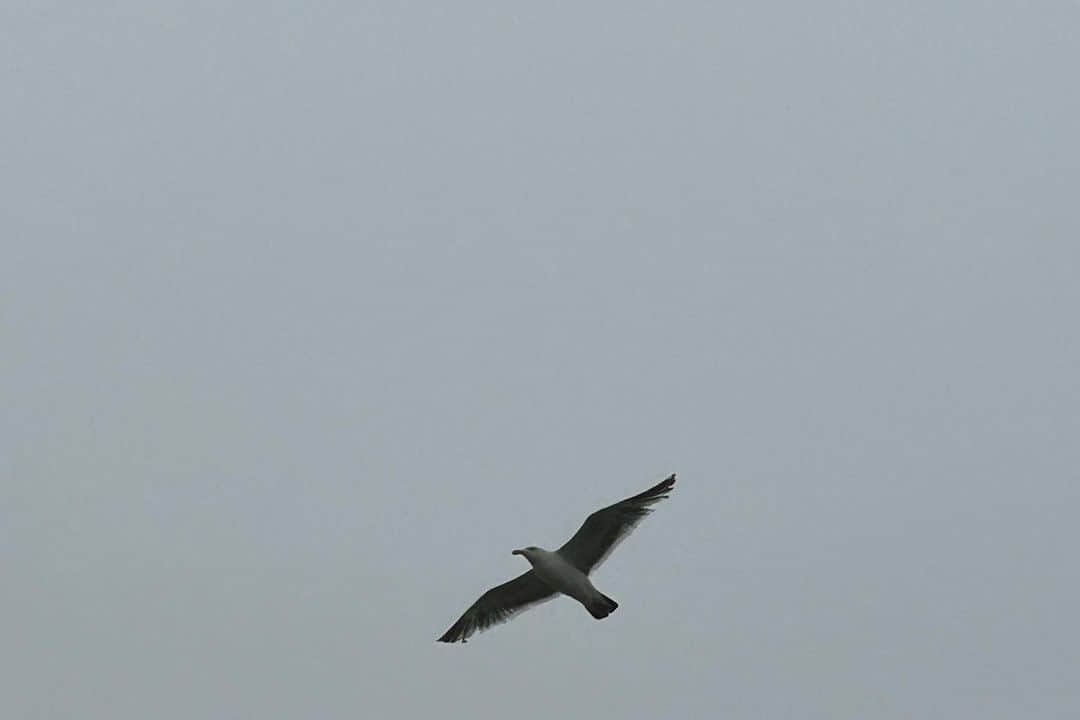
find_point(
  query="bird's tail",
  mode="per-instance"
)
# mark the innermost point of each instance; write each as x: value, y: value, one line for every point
x: 601, y: 606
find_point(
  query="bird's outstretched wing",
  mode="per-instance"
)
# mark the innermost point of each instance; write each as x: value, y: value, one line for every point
x: 606, y: 528
x: 498, y: 605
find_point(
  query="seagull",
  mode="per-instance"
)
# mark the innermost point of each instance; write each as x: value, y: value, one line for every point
x: 564, y: 571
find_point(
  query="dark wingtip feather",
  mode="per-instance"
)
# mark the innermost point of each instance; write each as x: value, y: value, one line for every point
x: 658, y: 491
x: 458, y: 632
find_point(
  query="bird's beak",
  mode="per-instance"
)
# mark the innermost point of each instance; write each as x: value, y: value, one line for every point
x: 518, y: 552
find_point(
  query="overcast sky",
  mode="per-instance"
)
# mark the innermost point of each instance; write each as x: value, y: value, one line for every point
x: 312, y: 312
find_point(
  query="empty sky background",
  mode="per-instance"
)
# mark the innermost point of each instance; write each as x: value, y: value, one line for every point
x: 312, y: 312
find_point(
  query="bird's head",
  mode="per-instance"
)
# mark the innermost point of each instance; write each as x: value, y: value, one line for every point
x: 528, y: 552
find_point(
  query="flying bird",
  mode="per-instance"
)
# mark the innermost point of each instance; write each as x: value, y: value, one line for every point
x: 564, y: 571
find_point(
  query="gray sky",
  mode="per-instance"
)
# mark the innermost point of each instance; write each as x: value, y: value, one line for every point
x: 311, y: 312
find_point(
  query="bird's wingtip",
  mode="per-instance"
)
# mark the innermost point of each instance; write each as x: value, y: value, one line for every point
x: 450, y: 637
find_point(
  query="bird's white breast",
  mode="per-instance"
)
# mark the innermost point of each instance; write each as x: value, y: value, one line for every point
x: 561, y: 575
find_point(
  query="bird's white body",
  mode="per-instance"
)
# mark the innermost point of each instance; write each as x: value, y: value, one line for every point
x: 561, y: 575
